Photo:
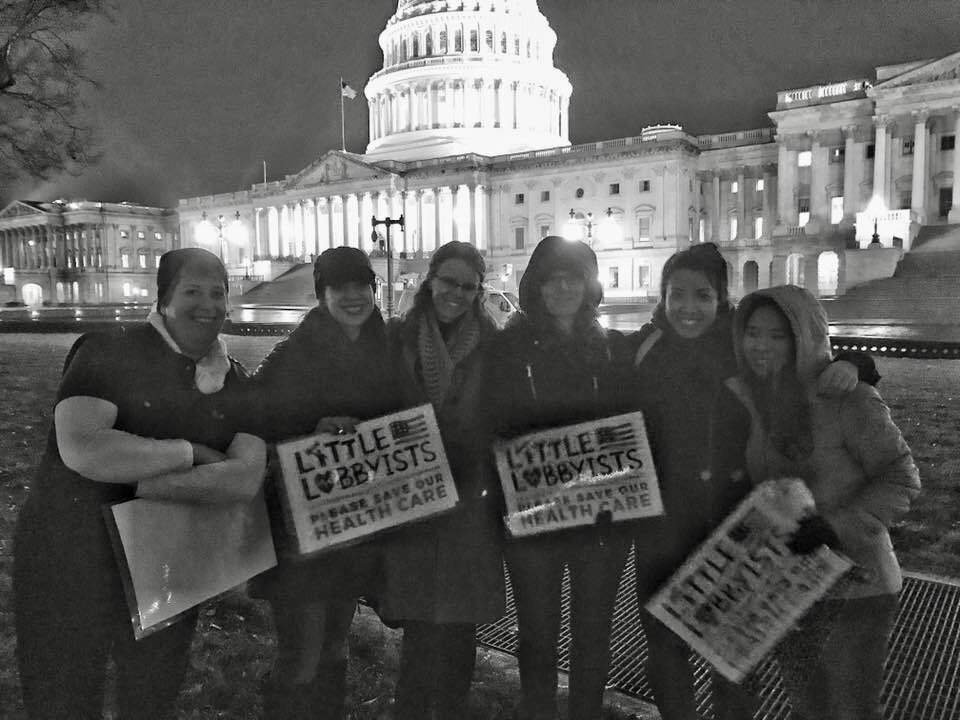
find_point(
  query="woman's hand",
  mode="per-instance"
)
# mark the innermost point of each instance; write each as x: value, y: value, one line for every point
x: 337, y: 425
x: 203, y: 455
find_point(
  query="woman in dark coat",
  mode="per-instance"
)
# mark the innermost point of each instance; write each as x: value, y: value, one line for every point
x: 156, y: 412
x: 331, y: 373
x: 552, y: 366
x: 444, y: 576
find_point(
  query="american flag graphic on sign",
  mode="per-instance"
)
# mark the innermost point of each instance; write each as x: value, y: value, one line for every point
x: 613, y: 436
x: 410, y: 429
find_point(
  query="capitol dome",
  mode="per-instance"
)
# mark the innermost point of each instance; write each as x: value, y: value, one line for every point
x: 466, y: 77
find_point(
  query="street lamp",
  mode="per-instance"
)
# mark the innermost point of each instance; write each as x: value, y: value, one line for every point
x: 389, y: 222
x: 588, y: 224
x: 207, y: 230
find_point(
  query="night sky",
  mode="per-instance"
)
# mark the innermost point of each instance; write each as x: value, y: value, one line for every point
x: 195, y: 95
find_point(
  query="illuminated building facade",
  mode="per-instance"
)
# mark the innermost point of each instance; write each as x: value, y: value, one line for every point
x: 82, y: 252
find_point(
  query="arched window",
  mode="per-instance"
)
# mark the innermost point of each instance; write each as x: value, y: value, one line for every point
x: 516, y: 45
x: 488, y: 39
x: 795, y: 269
x: 503, y: 43
x: 458, y: 40
x: 428, y: 44
x: 443, y: 42
x: 751, y: 276
x: 474, y: 41
x: 403, y: 50
x: 416, y: 46
x: 828, y: 273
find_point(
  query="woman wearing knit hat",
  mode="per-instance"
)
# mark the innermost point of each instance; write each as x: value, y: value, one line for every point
x: 552, y: 366
x: 444, y: 576
x: 331, y: 373
x: 679, y: 363
x: 155, y: 411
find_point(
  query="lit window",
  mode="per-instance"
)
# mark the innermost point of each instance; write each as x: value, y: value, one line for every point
x: 614, y: 188
x: 545, y: 196
x: 140, y: 235
x: 734, y: 187
x: 836, y: 154
x: 702, y: 230
x: 158, y: 236
x: 544, y: 230
x: 126, y: 290
x: 613, y: 280
x: 803, y: 211
x: 760, y: 185
x: 474, y: 42
x: 804, y: 158
x: 125, y: 260
x: 644, y: 230
x: 518, y: 238
x: 758, y: 227
x: 803, y: 218
x: 142, y: 260
x: 734, y: 226
x: 836, y: 209
x: 908, y: 147
x: 124, y: 235
x: 518, y: 199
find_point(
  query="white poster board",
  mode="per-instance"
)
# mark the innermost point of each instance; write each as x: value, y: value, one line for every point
x: 743, y: 589
x: 343, y: 488
x: 568, y: 476
x: 174, y: 556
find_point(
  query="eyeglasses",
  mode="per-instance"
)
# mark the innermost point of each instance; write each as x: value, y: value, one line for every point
x: 450, y: 283
x: 558, y: 280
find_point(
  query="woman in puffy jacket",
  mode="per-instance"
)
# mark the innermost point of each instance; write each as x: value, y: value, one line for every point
x: 552, y: 366
x: 769, y: 423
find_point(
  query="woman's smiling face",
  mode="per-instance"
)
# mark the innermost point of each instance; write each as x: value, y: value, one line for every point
x: 195, y: 310
x: 453, y: 289
x: 692, y: 303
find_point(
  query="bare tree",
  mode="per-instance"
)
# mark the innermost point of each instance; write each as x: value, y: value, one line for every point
x: 41, y: 82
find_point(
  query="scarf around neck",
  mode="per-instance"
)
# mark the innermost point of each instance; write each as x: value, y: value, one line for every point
x: 211, y: 370
x: 439, y: 358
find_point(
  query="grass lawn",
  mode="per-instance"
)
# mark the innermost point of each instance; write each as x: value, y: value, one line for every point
x: 235, y: 645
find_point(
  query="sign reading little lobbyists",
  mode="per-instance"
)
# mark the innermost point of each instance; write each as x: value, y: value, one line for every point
x: 340, y: 488
x: 569, y: 476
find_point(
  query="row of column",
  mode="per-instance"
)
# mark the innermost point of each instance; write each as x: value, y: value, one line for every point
x: 855, y: 171
x: 40, y: 247
x: 468, y: 103
x: 724, y: 204
x: 458, y: 40
x: 309, y: 226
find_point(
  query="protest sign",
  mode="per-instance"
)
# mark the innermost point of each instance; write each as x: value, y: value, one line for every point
x: 342, y: 488
x: 569, y: 476
x: 174, y: 556
x: 742, y: 590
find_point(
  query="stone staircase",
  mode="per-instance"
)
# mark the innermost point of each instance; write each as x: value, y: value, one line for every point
x: 925, y: 287
x: 294, y: 287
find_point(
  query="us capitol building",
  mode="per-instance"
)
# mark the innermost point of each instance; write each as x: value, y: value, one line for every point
x: 469, y: 140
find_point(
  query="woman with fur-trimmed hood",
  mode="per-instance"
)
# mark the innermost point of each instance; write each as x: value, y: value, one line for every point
x: 770, y: 423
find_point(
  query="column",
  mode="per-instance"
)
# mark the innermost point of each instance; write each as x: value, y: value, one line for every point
x: 880, y: 160
x: 345, y: 218
x: 819, y: 178
x: 767, y: 211
x: 419, y: 222
x: 742, y: 230
x: 437, y: 241
x: 786, y: 185
x: 472, y: 192
x: 330, y: 241
x: 954, y: 215
x: 316, y: 227
x: 361, y: 238
x: 852, y: 172
x: 918, y: 189
x: 454, y: 193
x: 717, y: 217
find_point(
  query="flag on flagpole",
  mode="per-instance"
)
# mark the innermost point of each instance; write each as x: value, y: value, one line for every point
x: 347, y: 91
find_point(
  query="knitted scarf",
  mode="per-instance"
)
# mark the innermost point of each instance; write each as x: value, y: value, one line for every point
x: 438, y: 359
x: 212, y: 368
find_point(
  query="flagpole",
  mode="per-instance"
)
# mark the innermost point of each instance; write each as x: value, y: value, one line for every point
x: 343, y: 133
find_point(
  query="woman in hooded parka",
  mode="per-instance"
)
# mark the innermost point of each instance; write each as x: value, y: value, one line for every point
x: 553, y: 366
x: 769, y: 423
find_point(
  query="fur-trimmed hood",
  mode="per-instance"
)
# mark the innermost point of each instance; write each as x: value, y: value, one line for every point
x: 808, y: 322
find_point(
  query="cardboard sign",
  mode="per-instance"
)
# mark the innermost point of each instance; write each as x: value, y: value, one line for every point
x: 743, y: 590
x: 174, y: 556
x: 343, y: 488
x: 568, y: 476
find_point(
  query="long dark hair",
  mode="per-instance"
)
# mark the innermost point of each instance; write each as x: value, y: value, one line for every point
x: 453, y: 250
x: 781, y: 401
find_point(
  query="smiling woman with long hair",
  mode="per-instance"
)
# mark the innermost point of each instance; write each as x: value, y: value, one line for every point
x: 156, y: 411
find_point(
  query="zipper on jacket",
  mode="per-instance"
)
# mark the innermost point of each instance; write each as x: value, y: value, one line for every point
x: 533, y: 387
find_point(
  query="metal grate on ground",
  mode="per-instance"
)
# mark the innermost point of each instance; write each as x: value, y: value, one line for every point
x: 923, y: 668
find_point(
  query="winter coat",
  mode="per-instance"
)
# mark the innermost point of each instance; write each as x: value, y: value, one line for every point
x: 448, y: 569
x: 62, y: 544
x: 539, y: 378
x: 860, y: 471
x: 319, y: 372
x: 674, y: 381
